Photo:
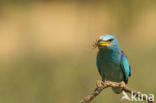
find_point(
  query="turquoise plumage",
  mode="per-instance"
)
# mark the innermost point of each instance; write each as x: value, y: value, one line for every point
x: 111, y: 61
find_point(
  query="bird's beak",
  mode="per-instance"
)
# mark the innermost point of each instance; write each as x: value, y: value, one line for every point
x: 102, y: 43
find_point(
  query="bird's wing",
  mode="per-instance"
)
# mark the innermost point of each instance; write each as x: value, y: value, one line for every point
x: 125, y: 66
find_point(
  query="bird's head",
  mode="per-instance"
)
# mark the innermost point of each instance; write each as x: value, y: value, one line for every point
x: 107, y: 42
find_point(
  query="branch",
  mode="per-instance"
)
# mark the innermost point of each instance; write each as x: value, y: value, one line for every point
x: 102, y: 85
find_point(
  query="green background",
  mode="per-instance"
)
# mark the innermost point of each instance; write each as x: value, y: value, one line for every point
x: 46, y: 53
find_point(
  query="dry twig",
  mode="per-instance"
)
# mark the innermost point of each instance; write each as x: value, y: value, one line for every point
x: 102, y: 85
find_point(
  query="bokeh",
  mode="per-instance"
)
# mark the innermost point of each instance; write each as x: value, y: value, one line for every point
x: 46, y: 52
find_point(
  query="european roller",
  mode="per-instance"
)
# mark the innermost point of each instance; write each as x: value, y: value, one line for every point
x: 111, y: 61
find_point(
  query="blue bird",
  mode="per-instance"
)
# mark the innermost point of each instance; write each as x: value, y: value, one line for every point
x: 111, y: 61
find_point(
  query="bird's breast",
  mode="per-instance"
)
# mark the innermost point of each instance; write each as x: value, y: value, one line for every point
x: 109, y: 66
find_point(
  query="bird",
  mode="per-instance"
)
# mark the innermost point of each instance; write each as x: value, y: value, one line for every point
x: 111, y: 61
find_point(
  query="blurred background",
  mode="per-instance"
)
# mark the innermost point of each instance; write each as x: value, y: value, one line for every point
x: 46, y: 52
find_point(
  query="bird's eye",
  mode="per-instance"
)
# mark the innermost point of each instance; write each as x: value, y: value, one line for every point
x: 110, y: 40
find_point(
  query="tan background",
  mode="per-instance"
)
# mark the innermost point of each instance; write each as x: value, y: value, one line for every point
x: 46, y: 53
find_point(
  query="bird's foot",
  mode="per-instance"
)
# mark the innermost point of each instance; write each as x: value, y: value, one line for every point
x: 99, y: 83
x: 122, y: 84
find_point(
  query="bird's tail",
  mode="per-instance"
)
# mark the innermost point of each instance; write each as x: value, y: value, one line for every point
x: 117, y: 90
